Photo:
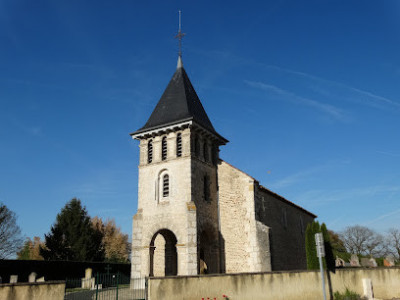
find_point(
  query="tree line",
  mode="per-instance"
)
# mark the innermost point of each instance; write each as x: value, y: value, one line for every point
x: 362, y: 240
x: 74, y: 236
x: 357, y: 239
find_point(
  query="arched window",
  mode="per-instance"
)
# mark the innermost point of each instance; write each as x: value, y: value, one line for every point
x: 284, y: 217
x: 196, y: 146
x: 205, y: 151
x: 206, y: 188
x: 165, y: 189
x: 179, y: 145
x: 164, y: 148
x: 301, y: 225
x: 150, y: 151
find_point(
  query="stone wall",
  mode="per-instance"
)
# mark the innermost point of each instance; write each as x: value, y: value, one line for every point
x: 261, y: 230
x: 189, y: 213
x: 176, y: 212
x: 238, y: 225
x: 159, y: 256
x: 33, y: 291
x: 275, y: 285
x: 204, y: 195
x: 287, y: 224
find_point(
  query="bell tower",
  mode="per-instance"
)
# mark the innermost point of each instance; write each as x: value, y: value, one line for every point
x: 176, y: 227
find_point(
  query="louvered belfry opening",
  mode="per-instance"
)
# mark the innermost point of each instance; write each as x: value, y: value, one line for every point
x: 150, y: 151
x: 179, y: 145
x: 166, y: 185
x: 164, y: 148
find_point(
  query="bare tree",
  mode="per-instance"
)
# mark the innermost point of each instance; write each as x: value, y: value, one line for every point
x: 362, y: 240
x: 10, y: 234
x: 393, y: 242
x: 376, y: 246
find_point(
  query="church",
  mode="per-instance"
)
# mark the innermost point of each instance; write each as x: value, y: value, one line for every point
x: 197, y: 214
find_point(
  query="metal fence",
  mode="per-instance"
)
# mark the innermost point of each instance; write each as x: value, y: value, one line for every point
x: 106, y: 287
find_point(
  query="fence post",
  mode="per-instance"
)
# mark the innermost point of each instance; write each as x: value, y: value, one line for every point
x: 117, y: 284
x: 97, y: 284
x: 66, y: 284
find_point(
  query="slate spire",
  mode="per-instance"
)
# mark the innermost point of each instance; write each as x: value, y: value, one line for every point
x: 179, y: 103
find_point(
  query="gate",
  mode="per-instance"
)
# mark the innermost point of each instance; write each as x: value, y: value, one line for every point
x: 106, y: 287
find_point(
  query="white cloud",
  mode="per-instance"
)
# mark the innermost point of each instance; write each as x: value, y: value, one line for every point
x: 389, y: 153
x: 307, y: 174
x: 355, y: 195
x: 350, y: 93
x: 384, y: 216
x: 323, y: 107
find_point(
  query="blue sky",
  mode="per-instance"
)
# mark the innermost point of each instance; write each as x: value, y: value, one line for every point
x: 307, y: 92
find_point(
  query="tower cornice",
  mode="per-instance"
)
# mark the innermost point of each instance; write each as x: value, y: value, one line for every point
x: 177, y: 126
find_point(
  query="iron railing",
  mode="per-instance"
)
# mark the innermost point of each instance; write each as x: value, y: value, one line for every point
x: 115, y: 286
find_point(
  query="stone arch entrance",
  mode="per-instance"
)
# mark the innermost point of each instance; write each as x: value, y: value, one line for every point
x: 208, y: 252
x: 163, y: 254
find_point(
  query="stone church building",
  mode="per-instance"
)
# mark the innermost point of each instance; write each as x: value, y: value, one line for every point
x: 197, y: 213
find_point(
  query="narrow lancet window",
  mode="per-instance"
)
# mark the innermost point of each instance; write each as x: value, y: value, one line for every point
x: 206, y: 188
x: 214, y: 154
x: 150, y: 151
x: 196, y: 146
x: 179, y: 145
x: 301, y: 225
x: 166, y: 185
x: 164, y: 148
x: 284, y: 217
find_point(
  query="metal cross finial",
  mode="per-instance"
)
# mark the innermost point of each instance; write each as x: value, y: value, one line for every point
x: 180, y: 35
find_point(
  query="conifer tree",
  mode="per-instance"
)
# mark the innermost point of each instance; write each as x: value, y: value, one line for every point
x: 72, y: 237
x: 329, y: 261
x: 311, y: 249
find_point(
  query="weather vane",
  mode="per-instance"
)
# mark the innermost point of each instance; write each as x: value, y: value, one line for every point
x: 180, y: 35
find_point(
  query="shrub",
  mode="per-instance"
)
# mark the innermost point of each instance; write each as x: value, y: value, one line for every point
x: 347, y: 295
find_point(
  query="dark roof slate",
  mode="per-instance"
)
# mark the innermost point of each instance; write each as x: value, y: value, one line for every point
x: 179, y: 102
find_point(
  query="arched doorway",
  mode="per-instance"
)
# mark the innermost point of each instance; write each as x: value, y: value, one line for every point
x: 163, y: 255
x: 208, y: 252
